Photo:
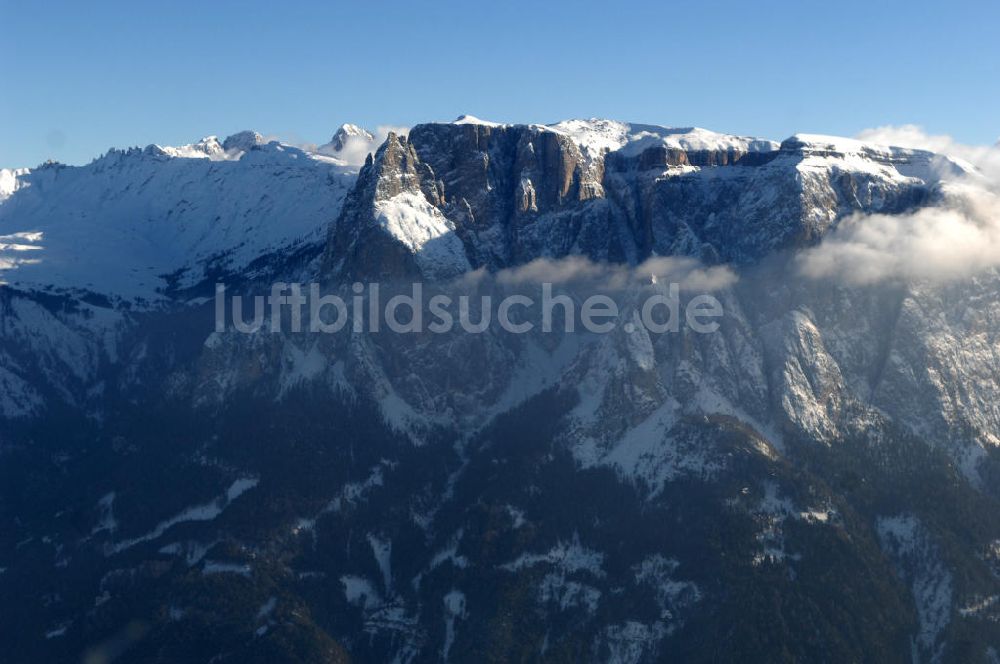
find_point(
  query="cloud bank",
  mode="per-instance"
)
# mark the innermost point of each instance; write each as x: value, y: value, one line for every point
x: 986, y: 158
x: 954, y: 240
x: 688, y: 273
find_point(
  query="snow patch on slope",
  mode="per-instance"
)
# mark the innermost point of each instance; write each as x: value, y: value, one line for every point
x: 919, y: 564
x: 11, y: 181
x: 205, y: 512
x: 473, y: 120
x: 566, y: 556
x: 17, y: 397
x: 425, y: 231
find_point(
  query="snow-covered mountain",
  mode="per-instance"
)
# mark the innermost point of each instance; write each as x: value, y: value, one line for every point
x: 136, y: 223
x: 133, y: 224
x: 815, y: 480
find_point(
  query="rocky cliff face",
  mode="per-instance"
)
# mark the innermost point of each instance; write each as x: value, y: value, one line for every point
x: 816, y: 479
x: 511, y: 194
x: 621, y: 193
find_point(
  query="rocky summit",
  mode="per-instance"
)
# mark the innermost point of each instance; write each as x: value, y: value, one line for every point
x: 818, y: 479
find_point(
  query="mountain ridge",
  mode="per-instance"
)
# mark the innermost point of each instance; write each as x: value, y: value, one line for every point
x: 821, y: 470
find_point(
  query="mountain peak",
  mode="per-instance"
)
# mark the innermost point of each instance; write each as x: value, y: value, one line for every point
x: 345, y: 133
x: 242, y: 141
x: 207, y: 148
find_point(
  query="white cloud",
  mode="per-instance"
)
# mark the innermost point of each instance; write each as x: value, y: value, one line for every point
x: 581, y: 271
x: 956, y: 239
x: 937, y: 244
x: 986, y: 158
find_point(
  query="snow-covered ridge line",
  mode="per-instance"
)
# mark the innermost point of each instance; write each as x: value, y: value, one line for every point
x: 134, y: 224
x: 140, y: 223
x: 839, y: 145
x: 473, y: 120
x: 594, y: 135
x: 629, y: 139
x: 232, y: 148
x: 597, y: 137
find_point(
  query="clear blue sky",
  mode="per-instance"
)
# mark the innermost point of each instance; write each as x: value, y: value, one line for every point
x: 79, y: 77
